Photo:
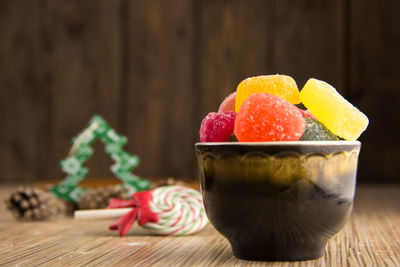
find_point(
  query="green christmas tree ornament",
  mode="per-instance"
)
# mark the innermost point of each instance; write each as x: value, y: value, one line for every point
x: 82, y: 150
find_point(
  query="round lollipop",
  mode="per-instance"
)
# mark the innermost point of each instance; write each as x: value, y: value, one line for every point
x: 179, y: 209
x: 166, y: 210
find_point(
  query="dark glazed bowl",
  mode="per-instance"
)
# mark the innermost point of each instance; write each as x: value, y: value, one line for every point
x: 278, y: 200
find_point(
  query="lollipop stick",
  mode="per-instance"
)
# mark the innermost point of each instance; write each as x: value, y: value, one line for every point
x: 99, y: 214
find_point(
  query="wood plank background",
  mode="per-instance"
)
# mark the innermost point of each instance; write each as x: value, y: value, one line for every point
x: 153, y: 69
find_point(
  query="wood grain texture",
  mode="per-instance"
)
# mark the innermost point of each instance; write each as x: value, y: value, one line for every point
x: 310, y: 40
x: 158, y: 95
x: 64, y: 68
x: 154, y: 69
x: 374, y: 83
x: 83, y: 65
x: 24, y: 120
x: 370, y: 238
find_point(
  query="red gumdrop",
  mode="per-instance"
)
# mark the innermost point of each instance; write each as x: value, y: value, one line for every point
x: 217, y: 127
x: 307, y: 113
x: 266, y: 117
x: 228, y: 104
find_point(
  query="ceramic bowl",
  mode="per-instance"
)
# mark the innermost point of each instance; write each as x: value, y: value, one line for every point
x: 278, y: 200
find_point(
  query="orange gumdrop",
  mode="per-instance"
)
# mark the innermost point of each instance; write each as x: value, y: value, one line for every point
x: 280, y: 85
x: 266, y: 117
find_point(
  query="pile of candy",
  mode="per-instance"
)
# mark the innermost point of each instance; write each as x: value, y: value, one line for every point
x: 263, y: 109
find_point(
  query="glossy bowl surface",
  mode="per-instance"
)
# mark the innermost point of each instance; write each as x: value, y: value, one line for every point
x: 278, y: 200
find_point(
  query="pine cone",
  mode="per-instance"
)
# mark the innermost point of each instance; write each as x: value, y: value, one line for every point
x: 99, y: 198
x: 29, y: 203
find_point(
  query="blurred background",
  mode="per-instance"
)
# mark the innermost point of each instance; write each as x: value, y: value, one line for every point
x: 154, y: 69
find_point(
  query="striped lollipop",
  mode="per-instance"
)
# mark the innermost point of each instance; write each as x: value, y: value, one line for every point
x: 166, y: 210
x: 179, y: 209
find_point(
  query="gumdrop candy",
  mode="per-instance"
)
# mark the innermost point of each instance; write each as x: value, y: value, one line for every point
x: 217, y: 127
x: 307, y: 114
x: 316, y: 131
x: 332, y: 110
x: 280, y: 85
x: 228, y: 104
x: 266, y: 117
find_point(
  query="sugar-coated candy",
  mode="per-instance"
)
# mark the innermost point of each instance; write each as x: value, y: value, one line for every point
x: 217, y: 127
x: 307, y: 113
x: 316, y: 131
x: 228, y: 104
x: 332, y: 110
x: 280, y: 85
x: 266, y: 117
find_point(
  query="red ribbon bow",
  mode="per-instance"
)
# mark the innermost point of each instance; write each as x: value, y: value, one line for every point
x: 141, y: 211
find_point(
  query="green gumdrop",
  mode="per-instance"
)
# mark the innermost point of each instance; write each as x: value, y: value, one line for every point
x: 316, y: 131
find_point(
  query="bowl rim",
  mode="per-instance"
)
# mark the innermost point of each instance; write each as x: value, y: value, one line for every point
x: 283, y: 143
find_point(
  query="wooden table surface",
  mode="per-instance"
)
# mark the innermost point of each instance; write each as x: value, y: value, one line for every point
x: 370, y: 238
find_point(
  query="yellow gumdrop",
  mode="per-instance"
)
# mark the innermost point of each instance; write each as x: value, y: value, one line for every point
x: 332, y: 110
x: 280, y: 85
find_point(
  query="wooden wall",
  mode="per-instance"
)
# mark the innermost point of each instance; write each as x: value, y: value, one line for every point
x: 154, y: 68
